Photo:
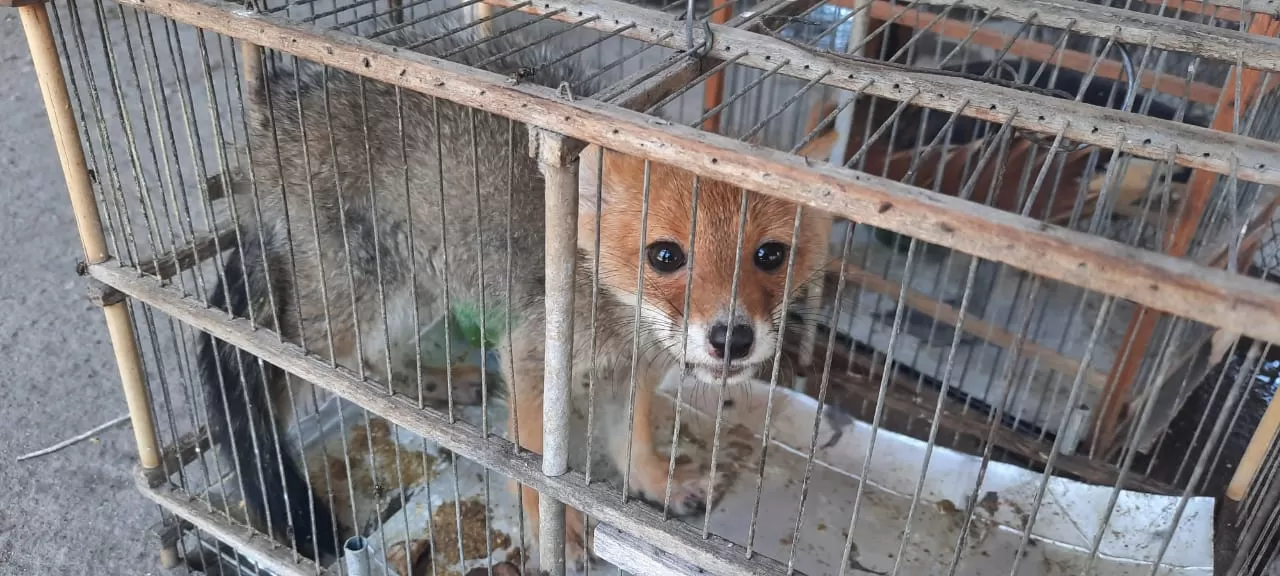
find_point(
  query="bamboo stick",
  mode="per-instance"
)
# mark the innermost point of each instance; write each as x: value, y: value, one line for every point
x: 53, y: 87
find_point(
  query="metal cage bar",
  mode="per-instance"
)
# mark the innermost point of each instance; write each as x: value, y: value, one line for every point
x: 1155, y: 280
x: 752, y: 59
x: 1197, y: 147
x: 53, y: 88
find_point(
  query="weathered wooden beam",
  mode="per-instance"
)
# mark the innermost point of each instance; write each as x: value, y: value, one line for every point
x: 715, y: 555
x: 170, y: 264
x: 1142, y: 29
x: 1171, y: 284
x: 1130, y: 132
x: 1038, y: 51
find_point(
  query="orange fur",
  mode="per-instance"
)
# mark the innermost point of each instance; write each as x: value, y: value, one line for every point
x: 718, y: 221
x: 759, y: 297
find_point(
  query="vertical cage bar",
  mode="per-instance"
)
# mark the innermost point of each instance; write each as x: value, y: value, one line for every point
x: 1199, y: 191
x: 251, y: 54
x: 713, y: 93
x: 560, y: 169
x: 53, y: 87
x: 837, y: 155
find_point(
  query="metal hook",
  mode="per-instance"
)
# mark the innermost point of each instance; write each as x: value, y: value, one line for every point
x: 704, y: 50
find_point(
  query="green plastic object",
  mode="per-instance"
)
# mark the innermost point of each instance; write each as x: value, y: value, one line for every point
x: 467, y: 316
x: 464, y: 337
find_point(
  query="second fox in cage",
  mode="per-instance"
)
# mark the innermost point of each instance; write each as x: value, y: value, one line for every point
x: 370, y: 211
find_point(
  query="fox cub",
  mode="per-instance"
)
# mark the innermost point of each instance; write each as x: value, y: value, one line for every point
x: 367, y: 202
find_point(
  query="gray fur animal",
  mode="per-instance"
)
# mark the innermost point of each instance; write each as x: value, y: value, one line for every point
x: 332, y: 217
x: 361, y: 221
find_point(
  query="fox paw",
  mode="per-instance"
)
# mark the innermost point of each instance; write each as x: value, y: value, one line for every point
x: 690, y: 489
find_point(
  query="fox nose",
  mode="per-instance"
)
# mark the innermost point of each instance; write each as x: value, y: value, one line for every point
x: 738, y: 343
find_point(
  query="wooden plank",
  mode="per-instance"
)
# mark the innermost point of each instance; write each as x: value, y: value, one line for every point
x: 636, y: 556
x: 1221, y: 44
x: 599, y: 501
x: 170, y: 264
x: 1038, y: 51
x: 1213, y: 297
x: 1136, y: 134
x: 265, y: 553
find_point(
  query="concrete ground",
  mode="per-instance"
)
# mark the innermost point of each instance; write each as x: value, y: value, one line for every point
x: 75, y: 511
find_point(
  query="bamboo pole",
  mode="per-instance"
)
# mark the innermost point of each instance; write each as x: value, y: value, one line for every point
x: 1255, y: 452
x: 53, y: 88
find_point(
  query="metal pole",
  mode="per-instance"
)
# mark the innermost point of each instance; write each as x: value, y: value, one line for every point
x: 357, y: 556
x: 560, y: 170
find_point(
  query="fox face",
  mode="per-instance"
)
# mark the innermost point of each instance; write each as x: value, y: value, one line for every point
x: 737, y: 329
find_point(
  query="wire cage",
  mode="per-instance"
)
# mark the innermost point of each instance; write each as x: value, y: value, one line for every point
x: 1003, y: 266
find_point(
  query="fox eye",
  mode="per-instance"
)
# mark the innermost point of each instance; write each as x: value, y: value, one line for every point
x: 665, y: 257
x: 770, y: 256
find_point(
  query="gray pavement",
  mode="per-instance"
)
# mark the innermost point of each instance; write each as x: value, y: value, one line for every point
x: 75, y: 511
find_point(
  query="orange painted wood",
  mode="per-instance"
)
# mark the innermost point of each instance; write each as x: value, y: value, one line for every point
x: 1199, y: 190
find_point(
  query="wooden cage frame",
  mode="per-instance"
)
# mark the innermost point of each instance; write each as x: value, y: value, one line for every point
x: 1200, y: 291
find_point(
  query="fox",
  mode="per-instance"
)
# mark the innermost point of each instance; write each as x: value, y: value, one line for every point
x: 367, y: 211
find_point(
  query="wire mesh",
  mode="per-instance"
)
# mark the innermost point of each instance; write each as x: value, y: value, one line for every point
x: 953, y: 409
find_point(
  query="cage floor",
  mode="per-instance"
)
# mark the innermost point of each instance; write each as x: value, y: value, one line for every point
x: 1071, y: 514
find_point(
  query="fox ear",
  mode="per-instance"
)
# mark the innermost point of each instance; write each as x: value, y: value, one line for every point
x: 590, y: 177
